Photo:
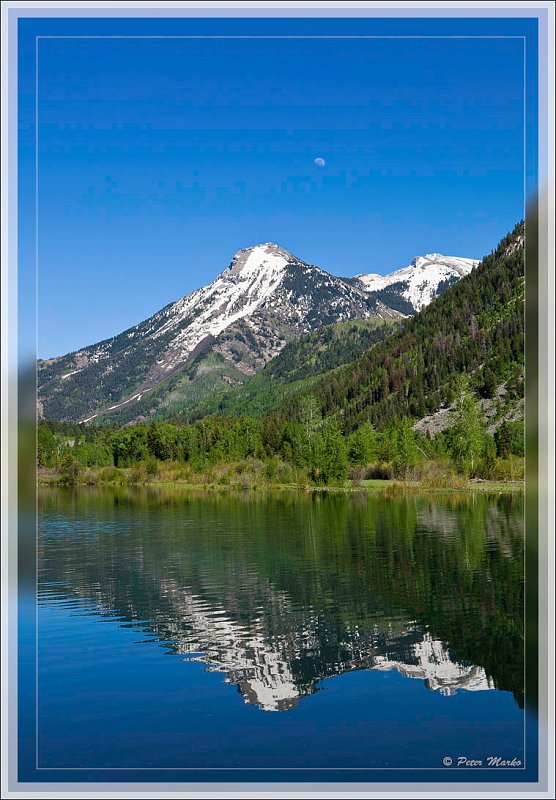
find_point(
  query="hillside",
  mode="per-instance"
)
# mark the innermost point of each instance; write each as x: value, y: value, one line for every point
x: 475, y: 328
x: 184, y: 357
x: 214, y: 337
x: 413, y: 406
x: 297, y: 367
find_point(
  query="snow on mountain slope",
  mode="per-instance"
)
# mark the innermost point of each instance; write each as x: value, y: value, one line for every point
x: 249, y: 282
x: 224, y: 332
x: 266, y: 297
x: 420, y: 282
x: 260, y: 279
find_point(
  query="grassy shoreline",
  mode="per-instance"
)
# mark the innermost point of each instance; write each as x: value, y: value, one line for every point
x: 377, y: 485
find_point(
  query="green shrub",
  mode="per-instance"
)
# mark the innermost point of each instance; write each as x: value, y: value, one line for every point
x: 112, y: 475
x: 381, y: 471
x: 152, y: 467
x: 70, y: 469
x: 509, y: 469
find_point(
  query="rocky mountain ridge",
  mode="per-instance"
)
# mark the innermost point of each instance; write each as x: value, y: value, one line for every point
x: 224, y: 332
x: 420, y: 282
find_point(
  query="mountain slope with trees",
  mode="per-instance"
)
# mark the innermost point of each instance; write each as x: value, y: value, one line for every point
x: 234, y: 326
x: 360, y: 421
x: 474, y: 329
x: 295, y: 369
x: 220, y: 335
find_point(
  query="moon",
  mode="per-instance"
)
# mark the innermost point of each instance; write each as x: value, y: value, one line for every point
x: 320, y: 162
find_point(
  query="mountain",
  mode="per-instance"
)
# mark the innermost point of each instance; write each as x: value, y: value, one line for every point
x: 216, y: 336
x: 413, y: 287
x: 220, y: 335
x: 302, y: 362
x: 474, y: 329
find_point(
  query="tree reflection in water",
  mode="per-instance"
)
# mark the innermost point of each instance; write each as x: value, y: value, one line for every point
x: 280, y: 591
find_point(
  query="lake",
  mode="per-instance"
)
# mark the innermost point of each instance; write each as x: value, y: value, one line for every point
x: 315, y: 631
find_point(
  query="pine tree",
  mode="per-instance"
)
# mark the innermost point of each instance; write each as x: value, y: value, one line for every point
x: 490, y: 383
x: 69, y: 468
x: 504, y: 440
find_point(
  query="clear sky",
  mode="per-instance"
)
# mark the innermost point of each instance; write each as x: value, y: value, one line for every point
x: 160, y: 158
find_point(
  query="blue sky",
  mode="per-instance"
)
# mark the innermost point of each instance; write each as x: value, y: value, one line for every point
x: 160, y: 158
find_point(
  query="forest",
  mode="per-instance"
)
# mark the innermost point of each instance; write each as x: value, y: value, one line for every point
x: 475, y: 329
x: 307, y: 449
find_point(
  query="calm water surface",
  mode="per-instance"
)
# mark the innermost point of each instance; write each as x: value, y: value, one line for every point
x: 291, y: 630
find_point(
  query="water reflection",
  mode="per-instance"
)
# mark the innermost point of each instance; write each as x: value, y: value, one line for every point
x: 280, y: 592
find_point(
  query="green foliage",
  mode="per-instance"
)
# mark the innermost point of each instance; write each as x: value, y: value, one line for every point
x: 112, y: 475
x: 468, y: 341
x: 475, y: 330
x: 309, y: 447
x: 309, y: 416
x: 467, y: 437
x: 130, y: 445
x: 294, y: 369
x: 509, y: 439
x: 362, y: 445
x: 328, y: 459
x: 509, y: 469
x: 405, y: 446
x: 46, y: 447
x: 91, y: 454
x: 161, y: 441
x: 327, y: 348
x: 69, y: 467
x: 487, y: 464
x: 490, y: 383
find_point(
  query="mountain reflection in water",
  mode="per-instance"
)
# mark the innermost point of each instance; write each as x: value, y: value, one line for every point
x: 280, y: 592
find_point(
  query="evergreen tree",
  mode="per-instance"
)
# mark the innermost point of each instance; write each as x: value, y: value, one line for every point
x: 509, y: 439
x: 504, y: 440
x: 488, y: 461
x: 69, y: 468
x: 490, y: 384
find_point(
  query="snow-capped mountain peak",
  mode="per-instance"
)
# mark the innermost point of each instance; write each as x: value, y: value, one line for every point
x: 265, y: 297
x: 422, y: 280
x: 462, y: 265
x: 267, y: 257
